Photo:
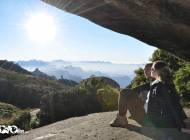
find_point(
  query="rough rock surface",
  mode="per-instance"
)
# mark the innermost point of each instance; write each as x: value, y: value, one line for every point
x: 164, y: 24
x: 95, y: 127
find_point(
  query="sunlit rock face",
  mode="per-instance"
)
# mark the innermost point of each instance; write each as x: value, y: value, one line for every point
x: 164, y: 24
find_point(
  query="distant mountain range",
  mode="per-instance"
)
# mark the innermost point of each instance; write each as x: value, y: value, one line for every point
x: 78, y: 70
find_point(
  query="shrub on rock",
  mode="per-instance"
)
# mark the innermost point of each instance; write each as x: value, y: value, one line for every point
x: 107, y: 98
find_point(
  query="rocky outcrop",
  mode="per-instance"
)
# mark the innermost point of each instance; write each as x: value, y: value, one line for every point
x: 164, y: 24
x: 96, y: 127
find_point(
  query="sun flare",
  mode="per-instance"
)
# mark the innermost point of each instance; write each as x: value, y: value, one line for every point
x: 40, y: 27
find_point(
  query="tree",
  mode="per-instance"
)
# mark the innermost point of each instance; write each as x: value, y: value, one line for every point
x: 139, y: 78
x: 174, y: 62
x: 182, y: 81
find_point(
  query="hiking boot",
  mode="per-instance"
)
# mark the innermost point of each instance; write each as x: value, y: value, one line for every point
x: 119, y: 121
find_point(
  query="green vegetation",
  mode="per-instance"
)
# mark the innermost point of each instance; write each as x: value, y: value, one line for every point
x: 67, y: 82
x: 88, y: 97
x: 182, y: 82
x: 105, y: 91
x: 174, y: 62
x: 139, y: 78
x: 25, y: 90
x: 107, y: 98
x: 11, y: 115
x: 94, y: 83
x: 35, y: 122
x: 59, y: 106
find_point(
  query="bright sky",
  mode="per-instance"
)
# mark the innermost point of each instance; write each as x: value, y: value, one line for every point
x: 31, y: 29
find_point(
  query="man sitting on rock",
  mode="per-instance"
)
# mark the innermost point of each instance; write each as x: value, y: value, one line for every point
x: 133, y: 100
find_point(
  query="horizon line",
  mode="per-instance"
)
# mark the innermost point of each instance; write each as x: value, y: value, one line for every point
x: 83, y: 61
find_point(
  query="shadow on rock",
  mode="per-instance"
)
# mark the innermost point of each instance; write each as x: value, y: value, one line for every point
x: 160, y: 133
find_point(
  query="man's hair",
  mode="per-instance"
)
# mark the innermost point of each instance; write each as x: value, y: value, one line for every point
x: 148, y: 65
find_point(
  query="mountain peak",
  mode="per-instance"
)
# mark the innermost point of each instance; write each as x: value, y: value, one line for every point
x: 41, y: 74
x: 11, y: 66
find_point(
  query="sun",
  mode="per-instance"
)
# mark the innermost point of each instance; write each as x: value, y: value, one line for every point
x: 40, y: 27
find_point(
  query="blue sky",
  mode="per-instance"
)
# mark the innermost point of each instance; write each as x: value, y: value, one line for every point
x: 75, y: 38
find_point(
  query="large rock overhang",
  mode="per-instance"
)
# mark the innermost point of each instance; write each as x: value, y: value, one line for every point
x: 164, y: 24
